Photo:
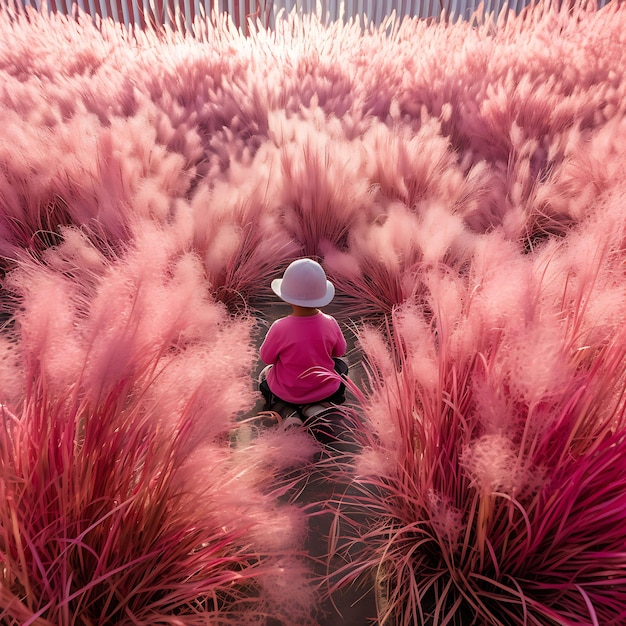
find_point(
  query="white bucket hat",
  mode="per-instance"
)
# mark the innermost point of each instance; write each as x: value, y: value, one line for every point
x: 304, y: 284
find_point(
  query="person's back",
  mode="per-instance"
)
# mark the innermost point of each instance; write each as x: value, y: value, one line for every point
x: 300, y: 349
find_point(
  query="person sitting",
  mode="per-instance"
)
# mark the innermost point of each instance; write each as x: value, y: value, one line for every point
x: 302, y: 350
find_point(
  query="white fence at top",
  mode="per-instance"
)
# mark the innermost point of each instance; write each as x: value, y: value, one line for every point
x: 180, y: 14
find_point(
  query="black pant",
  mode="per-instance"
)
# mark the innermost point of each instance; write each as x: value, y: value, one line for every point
x: 338, y: 397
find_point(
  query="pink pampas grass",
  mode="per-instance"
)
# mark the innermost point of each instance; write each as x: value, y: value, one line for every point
x: 473, y: 431
x: 237, y: 233
x: 461, y: 184
x: 123, y: 503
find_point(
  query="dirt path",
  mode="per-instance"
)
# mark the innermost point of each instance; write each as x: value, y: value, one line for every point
x: 353, y: 606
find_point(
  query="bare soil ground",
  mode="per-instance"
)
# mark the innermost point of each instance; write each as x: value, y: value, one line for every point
x: 353, y: 606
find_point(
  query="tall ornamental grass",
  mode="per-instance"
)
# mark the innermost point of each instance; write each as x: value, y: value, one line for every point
x: 124, y: 503
x: 461, y: 183
x: 492, y: 469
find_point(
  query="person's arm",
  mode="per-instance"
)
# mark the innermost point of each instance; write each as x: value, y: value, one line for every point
x: 268, y: 351
x: 340, y: 347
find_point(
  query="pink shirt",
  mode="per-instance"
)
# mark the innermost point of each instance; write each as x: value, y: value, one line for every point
x: 294, y: 345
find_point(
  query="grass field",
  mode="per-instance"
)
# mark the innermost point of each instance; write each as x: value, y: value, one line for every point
x: 463, y: 186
